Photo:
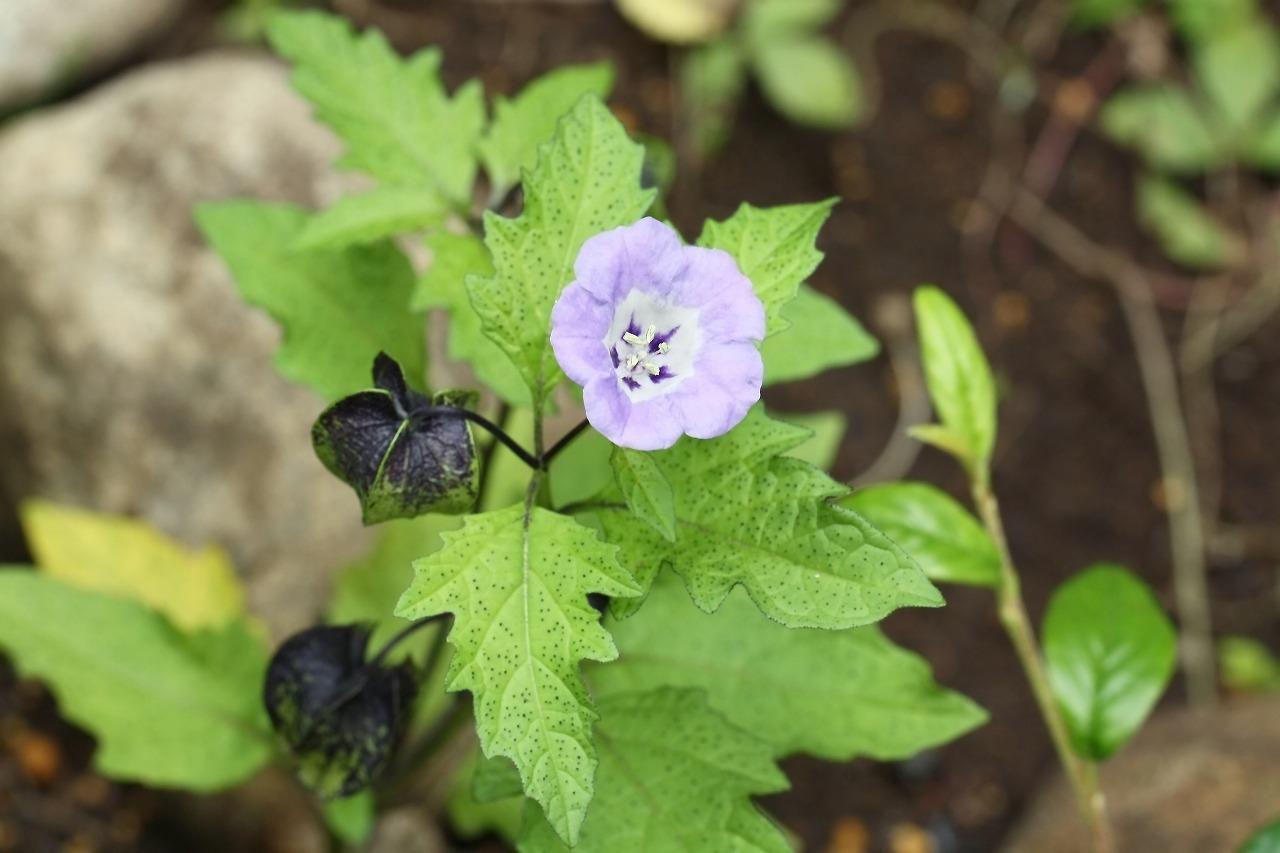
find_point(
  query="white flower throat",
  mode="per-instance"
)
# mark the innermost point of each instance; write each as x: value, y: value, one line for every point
x: 652, y: 344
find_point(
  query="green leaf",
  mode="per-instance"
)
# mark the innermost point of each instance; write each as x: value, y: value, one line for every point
x: 517, y: 584
x: 351, y: 819
x: 367, y: 590
x: 712, y: 77
x: 526, y: 121
x: 748, y: 515
x: 399, y: 124
x: 472, y: 817
x: 1266, y: 840
x: 1166, y: 127
x: 167, y: 710
x: 833, y: 694
x: 1110, y: 651
x: 646, y: 490
x: 126, y: 558
x: 674, y: 776
x: 582, y: 470
x: 339, y: 309
x: 821, y: 448
x: 371, y: 216
x: 822, y: 336
x: 1100, y: 13
x: 587, y: 180
x: 443, y: 285
x: 937, y: 532
x: 774, y: 247
x: 958, y: 376
x: 809, y: 80
x: 1187, y: 232
x: 1200, y: 19
x: 1262, y: 147
x: 1239, y: 69
x: 1248, y: 665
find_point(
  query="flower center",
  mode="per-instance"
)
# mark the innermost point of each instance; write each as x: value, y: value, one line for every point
x: 652, y: 345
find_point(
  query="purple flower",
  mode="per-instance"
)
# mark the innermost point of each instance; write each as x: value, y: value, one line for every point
x: 661, y: 337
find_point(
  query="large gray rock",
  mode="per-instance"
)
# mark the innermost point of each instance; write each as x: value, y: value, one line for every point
x: 46, y: 44
x: 1190, y: 782
x: 133, y: 378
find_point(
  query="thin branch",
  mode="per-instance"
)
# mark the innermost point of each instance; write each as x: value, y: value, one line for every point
x: 480, y: 420
x: 564, y: 442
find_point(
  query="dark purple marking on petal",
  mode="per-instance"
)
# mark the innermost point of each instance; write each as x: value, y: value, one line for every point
x: 662, y: 339
x: 633, y: 327
x: 613, y: 353
x: 630, y: 383
x: 662, y: 374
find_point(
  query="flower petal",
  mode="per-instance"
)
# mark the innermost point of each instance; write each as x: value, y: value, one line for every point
x: 579, y: 323
x: 725, y: 386
x: 646, y: 255
x: 650, y: 425
x: 712, y: 282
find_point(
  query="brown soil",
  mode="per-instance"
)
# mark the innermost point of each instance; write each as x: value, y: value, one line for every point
x: 1075, y: 469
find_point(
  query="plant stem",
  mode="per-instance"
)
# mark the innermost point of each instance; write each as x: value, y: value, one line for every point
x: 480, y: 420
x: 564, y: 442
x: 1013, y: 616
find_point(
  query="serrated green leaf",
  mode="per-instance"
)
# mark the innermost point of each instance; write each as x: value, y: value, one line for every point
x: 1187, y: 232
x: 1166, y: 127
x: 371, y: 216
x: 774, y: 247
x: 366, y: 591
x: 712, y: 78
x: 833, y: 694
x: 646, y: 490
x: 517, y: 584
x: 399, y: 124
x: 809, y: 80
x: 127, y: 558
x: 827, y: 432
x: 338, y: 309
x: 167, y: 709
x: 674, y: 777
x: 1109, y: 650
x: 454, y: 257
x: 1100, y: 13
x: 1265, y: 840
x: 1200, y: 19
x: 524, y: 122
x: 748, y: 515
x: 958, y: 376
x: 937, y: 532
x: 351, y: 819
x: 587, y: 180
x: 1239, y: 69
x: 821, y: 336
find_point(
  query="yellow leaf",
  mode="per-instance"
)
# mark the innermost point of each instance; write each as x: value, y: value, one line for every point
x: 679, y: 21
x: 124, y: 557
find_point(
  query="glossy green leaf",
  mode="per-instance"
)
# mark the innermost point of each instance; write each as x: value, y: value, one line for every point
x: 674, y: 777
x: 959, y: 378
x: 167, y: 709
x: 833, y: 694
x: 1166, y: 127
x: 1187, y: 232
x: 1110, y: 651
x: 517, y: 585
x: 766, y: 20
x: 809, y: 80
x: 398, y: 123
x: 1262, y: 147
x: 587, y: 180
x: 774, y: 247
x: 822, y: 336
x: 371, y: 216
x: 1265, y: 840
x: 524, y: 122
x: 338, y: 309
x: 351, y: 819
x: 1100, y: 13
x: 748, y: 515
x: 1200, y: 19
x: 646, y: 490
x: 942, y: 536
x: 712, y: 78
x: 1239, y: 70
x: 1248, y: 665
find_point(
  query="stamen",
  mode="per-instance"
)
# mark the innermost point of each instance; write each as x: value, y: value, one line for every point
x: 663, y: 347
x: 649, y: 334
x: 652, y: 368
x: 632, y: 361
x: 633, y: 339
